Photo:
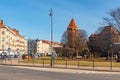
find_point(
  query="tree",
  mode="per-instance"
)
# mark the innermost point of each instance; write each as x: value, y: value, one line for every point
x: 82, y: 39
x: 58, y: 50
x: 99, y: 30
x: 114, y: 18
x: 104, y: 41
x: 80, y: 44
x: 64, y: 39
x: 68, y: 52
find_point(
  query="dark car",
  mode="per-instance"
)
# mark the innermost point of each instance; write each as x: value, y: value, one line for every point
x: 40, y: 54
x: 117, y: 57
x: 4, y: 55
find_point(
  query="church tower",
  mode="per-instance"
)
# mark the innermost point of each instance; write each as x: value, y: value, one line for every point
x: 72, y: 34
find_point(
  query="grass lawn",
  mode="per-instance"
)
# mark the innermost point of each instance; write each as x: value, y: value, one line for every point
x: 82, y: 62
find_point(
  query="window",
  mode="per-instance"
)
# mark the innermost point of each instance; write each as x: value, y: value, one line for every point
x: 7, y: 36
x: 2, y: 38
x: 2, y: 46
x: 3, y: 32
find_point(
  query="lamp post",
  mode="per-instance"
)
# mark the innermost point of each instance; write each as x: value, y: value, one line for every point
x: 9, y: 49
x: 51, y: 15
x: 111, y: 56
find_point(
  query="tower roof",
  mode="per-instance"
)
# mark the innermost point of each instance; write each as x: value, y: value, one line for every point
x: 72, y: 25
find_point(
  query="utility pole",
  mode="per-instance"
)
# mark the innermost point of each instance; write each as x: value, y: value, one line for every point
x: 51, y: 15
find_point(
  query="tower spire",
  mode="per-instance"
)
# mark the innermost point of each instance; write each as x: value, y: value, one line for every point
x: 72, y: 24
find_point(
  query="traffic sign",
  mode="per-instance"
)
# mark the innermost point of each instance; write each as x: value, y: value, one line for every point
x: 9, y: 49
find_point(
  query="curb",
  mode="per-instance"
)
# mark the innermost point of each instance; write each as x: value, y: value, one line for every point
x: 60, y: 68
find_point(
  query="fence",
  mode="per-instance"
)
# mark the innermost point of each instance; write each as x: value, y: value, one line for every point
x: 89, y: 64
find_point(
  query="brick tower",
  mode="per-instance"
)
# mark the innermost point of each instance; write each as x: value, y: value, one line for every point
x: 72, y: 34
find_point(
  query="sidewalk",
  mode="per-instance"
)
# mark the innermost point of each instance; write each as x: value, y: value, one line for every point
x: 66, y: 70
x: 16, y: 62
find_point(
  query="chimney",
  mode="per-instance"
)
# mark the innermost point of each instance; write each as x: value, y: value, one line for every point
x: 16, y: 31
x: 1, y: 22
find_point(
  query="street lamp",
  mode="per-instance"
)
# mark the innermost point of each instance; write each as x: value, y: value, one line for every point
x: 111, y: 57
x: 9, y: 49
x: 51, y: 15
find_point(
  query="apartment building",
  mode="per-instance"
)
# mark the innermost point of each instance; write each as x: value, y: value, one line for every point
x: 106, y: 41
x: 38, y: 46
x: 47, y: 47
x: 11, y: 40
x: 32, y: 46
x: 41, y: 46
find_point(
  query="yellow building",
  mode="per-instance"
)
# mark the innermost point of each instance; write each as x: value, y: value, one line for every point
x: 11, y: 40
x: 45, y: 46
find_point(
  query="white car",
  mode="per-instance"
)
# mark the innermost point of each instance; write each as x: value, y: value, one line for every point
x: 79, y: 57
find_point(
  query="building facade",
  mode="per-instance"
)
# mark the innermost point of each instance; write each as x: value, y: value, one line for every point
x: 32, y: 46
x: 11, y: 41
x: 104, y: 41
x: 41, y: 46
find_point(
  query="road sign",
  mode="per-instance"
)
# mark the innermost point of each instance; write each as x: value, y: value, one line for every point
x: 9, y: 49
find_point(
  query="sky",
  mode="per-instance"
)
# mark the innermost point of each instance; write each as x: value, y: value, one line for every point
x: 31, y: 17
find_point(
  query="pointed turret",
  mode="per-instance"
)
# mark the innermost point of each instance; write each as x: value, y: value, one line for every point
x: 72, y: 25
x: 72, y: 32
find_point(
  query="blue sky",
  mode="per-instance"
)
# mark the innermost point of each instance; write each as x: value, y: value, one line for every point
x: 31, y: 17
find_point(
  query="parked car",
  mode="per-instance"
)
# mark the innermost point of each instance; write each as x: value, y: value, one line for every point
x: 41, y: 54
x: 25, y: 56
x: 117, y: 57
x: 79, y: 57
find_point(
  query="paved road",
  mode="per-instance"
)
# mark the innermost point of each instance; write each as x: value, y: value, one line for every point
x: 13, y: 73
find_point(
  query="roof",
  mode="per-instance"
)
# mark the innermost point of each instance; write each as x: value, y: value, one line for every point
x: 46, y: 41
x: 13, y: 31
x: 16, y: 31
x: 111, y: 28
x: 72, y: 25
x: 49, y: 42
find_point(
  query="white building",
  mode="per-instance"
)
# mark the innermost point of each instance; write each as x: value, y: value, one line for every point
x: 10, y: 39
x: 42, y: 46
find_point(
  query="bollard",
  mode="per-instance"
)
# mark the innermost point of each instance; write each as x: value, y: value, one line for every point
x: 53, y: 62
x: 111, y: 61
x: 93, y: 62
x: 66, y: 63
x: 33, y: 62
x: 111, y: 64
x: 5, y: 60
x: 11, y: 61
x: 78, y: 63
x: 2, y: 61
x: 18, y: 61
x: 43, y: 62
